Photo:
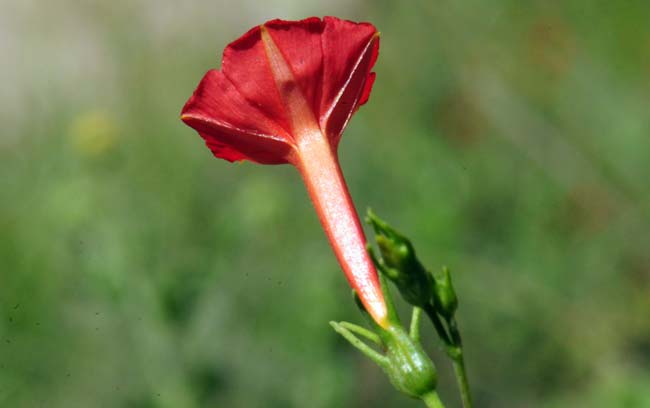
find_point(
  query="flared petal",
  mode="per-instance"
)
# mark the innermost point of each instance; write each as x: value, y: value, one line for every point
x: 349, y: 53
x: 246, y: 65
x: 331, y: 60
x: 232, y: 127
x: 325, y: 67
x: 300, y: 45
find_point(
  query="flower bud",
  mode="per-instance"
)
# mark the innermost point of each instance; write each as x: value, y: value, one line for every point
x: 406, y: 364
x: 400, y: 264
x: 410, y: 369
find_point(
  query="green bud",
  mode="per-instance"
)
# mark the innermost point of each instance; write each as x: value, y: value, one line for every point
x: 409, y: 368
x: 445, y: 299
x: 399, y: 263
x: 406, y: 364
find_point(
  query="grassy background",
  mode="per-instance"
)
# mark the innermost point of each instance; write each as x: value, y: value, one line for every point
x: 508, y: 139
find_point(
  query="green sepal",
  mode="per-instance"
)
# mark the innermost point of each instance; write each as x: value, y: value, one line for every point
x: 344, y: 329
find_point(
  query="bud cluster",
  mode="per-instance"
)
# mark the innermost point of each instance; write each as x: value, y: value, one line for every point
x: 403, y: 358
x: 399, y: 263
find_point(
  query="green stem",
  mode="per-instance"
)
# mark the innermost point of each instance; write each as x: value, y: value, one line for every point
x: 461, y: 379
x: 459, y: 364
x: 453, y: 346
x: 414, y: 330
x: 437, y: 324
x: 454, y: 332
x: 432, y: 400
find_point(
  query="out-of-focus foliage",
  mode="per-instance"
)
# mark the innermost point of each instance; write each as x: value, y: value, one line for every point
x: 508, y: 139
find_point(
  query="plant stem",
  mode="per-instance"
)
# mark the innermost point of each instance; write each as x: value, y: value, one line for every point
x: 459, y: 364
x: 432, y: 400
x: 454, y: 332
x: 461, y: 379
x: 450, y: 336
x: 414, y: 330
x: 437, y: 324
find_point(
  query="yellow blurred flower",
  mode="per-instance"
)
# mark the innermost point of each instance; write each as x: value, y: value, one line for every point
x: 93, y: 133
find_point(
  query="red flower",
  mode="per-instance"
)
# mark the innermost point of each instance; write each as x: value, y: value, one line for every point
x: 284, y: 94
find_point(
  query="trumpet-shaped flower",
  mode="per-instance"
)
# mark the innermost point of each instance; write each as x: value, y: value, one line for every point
x: 285, y: 93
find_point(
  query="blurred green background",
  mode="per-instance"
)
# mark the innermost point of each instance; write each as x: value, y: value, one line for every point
x: 508, y: 139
